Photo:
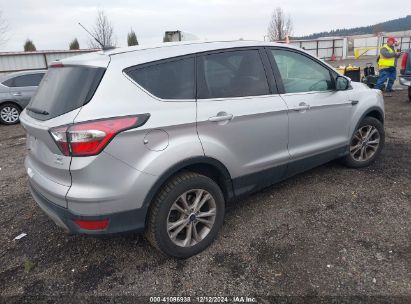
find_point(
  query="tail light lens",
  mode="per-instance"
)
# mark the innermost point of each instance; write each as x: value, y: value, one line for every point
x: 90, y: 138
x: 56, y: 64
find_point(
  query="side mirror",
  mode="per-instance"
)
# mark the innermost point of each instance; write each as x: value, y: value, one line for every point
x: 341, y: 83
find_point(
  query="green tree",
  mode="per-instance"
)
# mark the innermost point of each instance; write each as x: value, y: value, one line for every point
x: 74, y: 45
x: 132, y: 38
x: 29, y: 46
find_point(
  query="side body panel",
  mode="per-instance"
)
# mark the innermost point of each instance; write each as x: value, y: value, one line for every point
x: 369, y: 100
x: 253, y: 141
x: 22, y: 95
x: 322, y: 127
x: 5, y: 95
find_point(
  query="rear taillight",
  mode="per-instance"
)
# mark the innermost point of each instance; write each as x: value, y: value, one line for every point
x: 90, y: 138
x: 56, y: 64
x: 59, y: 135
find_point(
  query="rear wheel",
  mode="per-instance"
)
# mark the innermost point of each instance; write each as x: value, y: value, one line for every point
x: 409, y: 93
x: 9, y: 113
x: 366, y: 143
x: 186, y: 215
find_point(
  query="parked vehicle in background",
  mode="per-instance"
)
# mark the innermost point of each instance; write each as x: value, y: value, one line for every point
x: 159, y: 139
x: 405, y: 71
x: 16, y: 90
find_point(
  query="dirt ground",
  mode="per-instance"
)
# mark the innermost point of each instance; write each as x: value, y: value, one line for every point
x: 330, y: 232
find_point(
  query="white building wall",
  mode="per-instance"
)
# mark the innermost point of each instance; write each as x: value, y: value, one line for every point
x: 368, y: 42
x: 377, y: 41
x: 18, y: 61
x: 324, y: 48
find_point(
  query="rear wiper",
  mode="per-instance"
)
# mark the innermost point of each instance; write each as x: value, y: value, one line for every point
x: 37, y: 111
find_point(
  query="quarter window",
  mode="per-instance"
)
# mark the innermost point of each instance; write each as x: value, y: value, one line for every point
x: 232, y: 74
x: 168, y: 80
x: 300, y: 73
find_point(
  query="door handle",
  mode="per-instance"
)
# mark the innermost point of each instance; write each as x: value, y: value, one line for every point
x: 302, y: 107
x: 16, y: 94
x: 221, y: 117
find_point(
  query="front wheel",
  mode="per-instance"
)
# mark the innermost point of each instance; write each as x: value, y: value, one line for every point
x: 186, y: 215
x: 409, y: 93
x: 366, y: 143
x: 9, y: 113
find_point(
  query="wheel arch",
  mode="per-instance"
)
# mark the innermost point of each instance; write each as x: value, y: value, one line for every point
x: 3, y: 102
x: 207, y: 166
x: 374, y: 112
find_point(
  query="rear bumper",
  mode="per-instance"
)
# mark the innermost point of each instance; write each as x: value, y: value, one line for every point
x: 405, y: 80
x: 131, y: 220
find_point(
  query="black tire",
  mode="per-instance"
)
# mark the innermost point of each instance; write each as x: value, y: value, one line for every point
x: 157, y: 232
x: 349, y: 160
x: 409, y: 93
x: 9, y: 108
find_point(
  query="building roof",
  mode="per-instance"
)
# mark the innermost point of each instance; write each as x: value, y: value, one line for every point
x: 47, y: 52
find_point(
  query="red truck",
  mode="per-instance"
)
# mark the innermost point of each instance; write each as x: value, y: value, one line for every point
x: 405, y: 71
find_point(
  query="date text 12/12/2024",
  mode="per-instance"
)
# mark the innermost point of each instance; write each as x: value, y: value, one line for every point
x: 203, y: 299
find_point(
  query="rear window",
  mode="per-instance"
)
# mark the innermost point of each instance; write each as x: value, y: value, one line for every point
x: 166, y: 80
x: 64, y: 89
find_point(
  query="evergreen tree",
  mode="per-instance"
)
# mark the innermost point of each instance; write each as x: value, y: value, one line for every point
x: 132, y: 38
x: 29, y: 46
x: 74, y: 45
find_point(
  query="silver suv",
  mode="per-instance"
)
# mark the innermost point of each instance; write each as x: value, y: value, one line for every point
x: 158, y: 139
x: 16, y: 90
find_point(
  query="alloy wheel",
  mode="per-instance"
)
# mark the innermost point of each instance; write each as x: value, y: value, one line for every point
x: 9, y: 114
x: 191, y: 217
x: 365, y: 143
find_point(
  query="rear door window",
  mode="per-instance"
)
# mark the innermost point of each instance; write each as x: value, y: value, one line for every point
x: 30, y: 80
x: 64, y: 89
x: 232, y: 74
x: 166, y: 80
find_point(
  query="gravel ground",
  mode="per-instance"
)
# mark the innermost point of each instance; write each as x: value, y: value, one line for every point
x: 331, y: 231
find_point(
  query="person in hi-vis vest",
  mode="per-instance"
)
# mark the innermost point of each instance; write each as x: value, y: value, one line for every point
x: 387, y: 63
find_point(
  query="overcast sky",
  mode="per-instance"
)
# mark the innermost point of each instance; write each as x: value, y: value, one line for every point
x: 51, y: 24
